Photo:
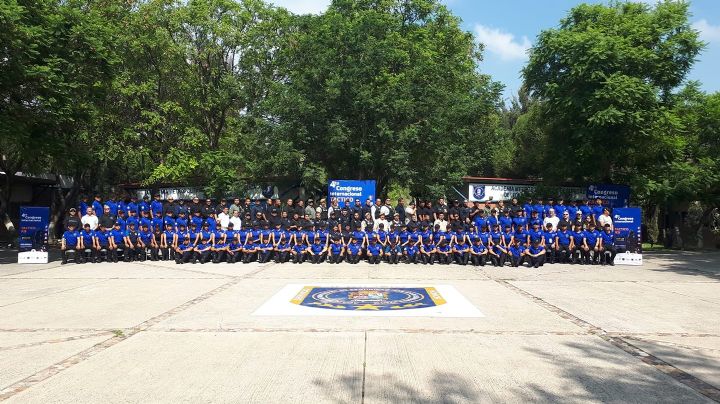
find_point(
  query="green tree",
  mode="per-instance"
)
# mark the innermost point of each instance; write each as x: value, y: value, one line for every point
x: 57, y: 61
x: 388, y: 90
x: 605, y: 78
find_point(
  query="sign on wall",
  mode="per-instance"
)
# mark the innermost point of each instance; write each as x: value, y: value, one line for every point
x: 614, y: 196
x: 354, y: 189
x: 505, y: 192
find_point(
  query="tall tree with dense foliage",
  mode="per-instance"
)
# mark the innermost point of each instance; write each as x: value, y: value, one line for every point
x: 605, y: 78
x: 388, y: 90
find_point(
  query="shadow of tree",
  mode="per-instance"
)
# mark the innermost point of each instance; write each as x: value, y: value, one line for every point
x: 705, y: 264
x: 603, y: 373
x: 442, y: 387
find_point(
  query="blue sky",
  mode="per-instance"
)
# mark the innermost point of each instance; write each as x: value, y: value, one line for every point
x: 508, y: 28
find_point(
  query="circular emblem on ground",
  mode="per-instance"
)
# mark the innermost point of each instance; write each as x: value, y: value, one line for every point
x: 368, y: 298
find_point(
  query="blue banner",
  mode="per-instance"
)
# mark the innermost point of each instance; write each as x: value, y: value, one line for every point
x: 614, y: 196
x: 353, y: 189
x: 33, y: 228
x: 628, y: 225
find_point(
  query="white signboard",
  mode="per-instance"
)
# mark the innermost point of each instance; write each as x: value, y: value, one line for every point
x: 33, y: 257
x: 628, y: 259
x: 505, y: 192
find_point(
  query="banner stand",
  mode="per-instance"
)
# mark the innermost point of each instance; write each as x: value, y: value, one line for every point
x: 628, y: 236
x: 33, y: 235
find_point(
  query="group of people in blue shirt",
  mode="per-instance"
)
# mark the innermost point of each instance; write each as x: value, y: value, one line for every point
x: 499, y: 239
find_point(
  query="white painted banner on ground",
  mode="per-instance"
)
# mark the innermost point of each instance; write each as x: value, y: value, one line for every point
x: 367, y: 300
x: 628, y: 259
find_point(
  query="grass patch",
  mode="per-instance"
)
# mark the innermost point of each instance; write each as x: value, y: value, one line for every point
x: 118, y: 333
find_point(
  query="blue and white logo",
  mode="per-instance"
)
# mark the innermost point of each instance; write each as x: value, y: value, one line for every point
x: 479, y: 192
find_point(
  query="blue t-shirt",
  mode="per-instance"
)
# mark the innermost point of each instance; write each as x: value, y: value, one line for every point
x: 185, y: 247
x: 354, y: 248
x: 608, y: 238
x: 550, y: 237
x: 516, y: 251
x: 87, y: 237
x: 563, y: 237
x: 578, y: 237
x: 71, y: 238
x: 443, y: 248
x: 462, y: 247
x: 591, y: 237
x: 478, y: 248
x: 427, y: 248
x: 102, y: 237
x: 202, y: 246
x: 336, y: 248
x: 536, y: 250
x: 374, y: 249
x: 411, y: 250
x: 146, y: 237
x: 317, y: 248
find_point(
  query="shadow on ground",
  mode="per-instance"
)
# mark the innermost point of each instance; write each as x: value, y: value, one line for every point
x: 705, y: 264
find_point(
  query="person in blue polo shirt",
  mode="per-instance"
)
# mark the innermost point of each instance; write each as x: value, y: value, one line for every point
x: 168, y: 242
x: 87, y: 241
x: 221, y: 251
x: 498, y: 254
x: 410, y: 252
x: 478, y: 253
x: 249, y: 250
x: 336, y: 250
x: 427, y: 252
x: 393, y: 251
x: 516, y: 253
x: 354, y: 250
x: 374, y: 252
x: 317, y: 251
x: 576, y: 244
x: 147, y: 242
x: 102, y: 242
x: 185, y: 252
x: 592, y: 245
x: 444, y: 253
x: 461, y: 252
x: 282, y: 250
x: 563, y: 244
x: 536, y: 252
x: 203, y: 251
x: 299, y: 252
x: 70, y: 243
x: 265, y: 249
x: 550, y: 243
x: 607, y: 246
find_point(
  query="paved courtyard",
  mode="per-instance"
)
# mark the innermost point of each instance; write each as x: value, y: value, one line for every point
x: 159, y: 332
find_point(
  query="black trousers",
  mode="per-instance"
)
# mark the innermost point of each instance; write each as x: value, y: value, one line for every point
x: 353, y: 258
x: 478, y: 259
x: 282, y: 256
x: 393, y: 257
x: 249, y: 256
x: 204, y: 256
x: 427, y: 258
x: 167, y: 253
x: 411, y: 259
x: 185, y: 257
x: 221, y: 256
x: 608, y: 255
x: 97, y: 254
x: 299, y: 257
x: 264, y: 256
x: 373, y: 259
x: 462, y: 258
x: 517, y: 261
x: 498, y: 260
x: 75, y: 254
x: 537, y: 261
x: 335, y: 258
x: 562, y: 254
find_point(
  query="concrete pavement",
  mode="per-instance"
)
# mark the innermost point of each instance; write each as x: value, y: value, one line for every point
x: 159, y: 332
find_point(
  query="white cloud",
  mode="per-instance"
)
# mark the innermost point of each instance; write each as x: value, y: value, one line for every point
x: 708, y: 32
x: 303, y: 6
x: 503, y: 44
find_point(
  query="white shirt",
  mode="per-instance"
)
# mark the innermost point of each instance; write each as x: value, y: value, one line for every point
x: 92, y: 220
x: 237, y: 223
x: 442, y: 223
x: 554, y: 220
x: 385, y: 223
x: 605, y: 219
x: 224, y: 219
x: 384, y: 210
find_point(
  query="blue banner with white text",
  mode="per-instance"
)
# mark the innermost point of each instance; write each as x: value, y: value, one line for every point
x: 628, y: 225
x: 612, y: 195
x: 33, y: 232
x: 351, y: 189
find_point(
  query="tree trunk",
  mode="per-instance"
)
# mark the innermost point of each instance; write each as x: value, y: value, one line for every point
x: 653, y: 230
x: 5, y: 195
x: 60, y: 204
